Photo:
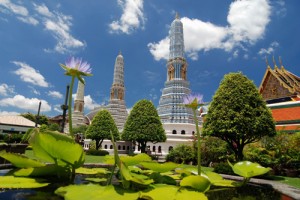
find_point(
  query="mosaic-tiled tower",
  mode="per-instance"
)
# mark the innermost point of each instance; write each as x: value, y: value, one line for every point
x: 78, y: 112
x: 116, y: 106
x: 170, y: 108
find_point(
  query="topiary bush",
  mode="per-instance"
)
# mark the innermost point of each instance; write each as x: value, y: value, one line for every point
x: 13, y: 138
x: 214, y: 150
x: 182, y: 153
x: 95, y: 152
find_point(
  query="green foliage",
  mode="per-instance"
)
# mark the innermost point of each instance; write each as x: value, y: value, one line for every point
x: 165, y: 167
x: 182, y: 153
x: 10, y: 182
x: 214, y: 150
x: 238, y: 114
x: 27, y: 135
x: 54, y: 127
x: 281, y: 152
x: 248, y: 169
x: 80, y: 129
x: 143, y: 125
x: 20, y: 161
x: 223, y: 168
x: 42, y: 119
x: 13, y: 138
x: 101, y: 126
x: 199, y: 183
x: 97, y: 152
x: 92, y: 192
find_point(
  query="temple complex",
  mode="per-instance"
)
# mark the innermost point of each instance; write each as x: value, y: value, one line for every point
x: 116, y: 105
x: 281, y: 90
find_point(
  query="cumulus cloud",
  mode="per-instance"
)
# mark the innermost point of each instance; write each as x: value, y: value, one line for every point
x: 56, y: 23
x: 28, y: 104
x: 132, y: 17
x: 59, y: 26
x: 55, y: 94
x: 247, y: 21
x: 269, y: 50
x: 20, y: 11
x: 30, y: 75
x: 89, y: 103
x: 6, y: 90
x: 5, y: 113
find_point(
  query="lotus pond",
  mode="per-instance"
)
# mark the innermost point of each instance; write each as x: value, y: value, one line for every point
x: 59, y: 174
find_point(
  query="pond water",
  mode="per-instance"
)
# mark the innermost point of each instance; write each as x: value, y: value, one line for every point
x: 248, y: 192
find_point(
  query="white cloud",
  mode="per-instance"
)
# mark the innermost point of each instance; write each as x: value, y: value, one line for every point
x: 28, y: 104
x: 269, y: 50
x: 59, y: 25
x: 8, y: 113
x: 247, y: 21
x: 30, y: 75
x: 132, y: 17
x: 57, y: 108
x: 55, y: 94
x: 19, y: 10
x: 89, y: 103
x: 6, y: 90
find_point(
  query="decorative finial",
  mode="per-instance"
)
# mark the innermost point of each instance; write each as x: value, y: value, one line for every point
x: 274, y: 62
x: 120, y: 52
x: 177, y: 15
x: 280, y: 61
x: 267, y: 63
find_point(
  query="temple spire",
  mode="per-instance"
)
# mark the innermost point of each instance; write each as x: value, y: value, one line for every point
x: 177, y: 15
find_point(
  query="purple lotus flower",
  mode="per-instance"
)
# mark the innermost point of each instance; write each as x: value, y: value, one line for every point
x: 193, y: 101
x: 76, y: 67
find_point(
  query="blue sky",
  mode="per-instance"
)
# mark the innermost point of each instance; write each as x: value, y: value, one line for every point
x: 220, y: 37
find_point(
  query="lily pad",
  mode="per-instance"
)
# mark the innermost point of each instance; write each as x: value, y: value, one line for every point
x: 48, y: 170
x: 248, y: 169
x: 163, y: 192
x: 57, y: 148
x: 165, y: 167
x: 217, y: 180
x: 83, y: 170
x: 93, y: 192
x: 96, y: 180
x: 198, y: 183
x: 20, y: 182
x: 20, y: 161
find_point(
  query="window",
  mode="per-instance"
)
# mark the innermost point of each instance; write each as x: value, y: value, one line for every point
x: 124, y: 147
x: 105, y: 146
x: 174, y: 132
x: 183, y: 132
x: 193, y: 132
x: 153, y: 149
x: 159, y: 149
x: 111, y: 147
x: 127, y: 148
x: 119, y: 147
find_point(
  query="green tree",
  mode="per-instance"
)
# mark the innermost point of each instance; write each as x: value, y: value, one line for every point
x: 238, y: 114
x: 80, y: 129
x: 182, y: 153
x: 43, y: 119
x: 143, y: 125
x: 100, y: 128
x: 53, y: 127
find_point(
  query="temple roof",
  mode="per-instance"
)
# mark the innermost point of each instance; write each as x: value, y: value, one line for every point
x: 287, y: 80
x: 16, y: 120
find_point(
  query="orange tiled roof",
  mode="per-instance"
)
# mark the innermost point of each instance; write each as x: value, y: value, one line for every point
x: 286, y: 114
x: 288, y: 128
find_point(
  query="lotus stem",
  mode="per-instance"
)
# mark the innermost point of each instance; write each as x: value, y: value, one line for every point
x: 70, y: 107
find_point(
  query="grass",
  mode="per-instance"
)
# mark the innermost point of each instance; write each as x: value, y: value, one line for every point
x: 295, y: 182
